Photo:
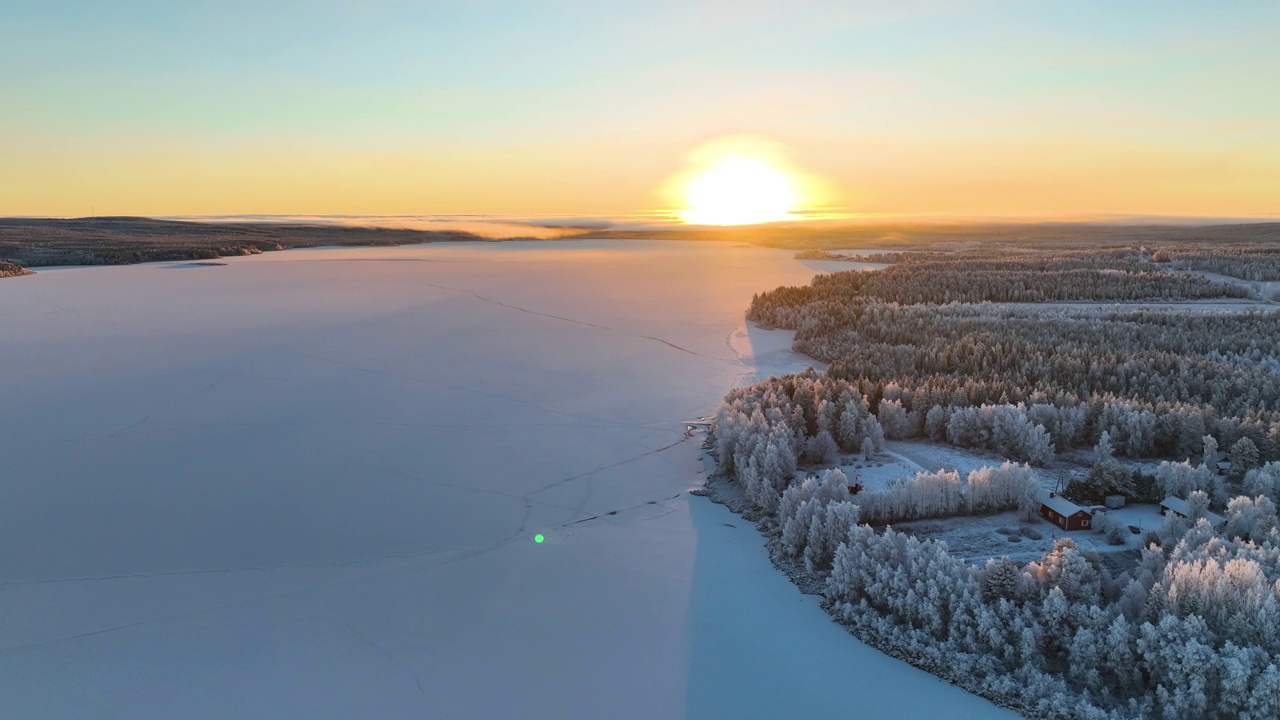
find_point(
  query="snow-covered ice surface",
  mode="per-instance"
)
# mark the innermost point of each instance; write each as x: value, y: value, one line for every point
x: 306, y: 484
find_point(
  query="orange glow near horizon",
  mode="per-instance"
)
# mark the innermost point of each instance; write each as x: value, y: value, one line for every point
x: 739, y: 191
x: 581, y: 109
x: 740, y: 180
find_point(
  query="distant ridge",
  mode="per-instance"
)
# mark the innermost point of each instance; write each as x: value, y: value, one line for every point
x: 36, y: 242
x: 121, y: 240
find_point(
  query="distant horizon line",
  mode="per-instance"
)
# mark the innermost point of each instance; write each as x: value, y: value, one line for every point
x: 666, y: 220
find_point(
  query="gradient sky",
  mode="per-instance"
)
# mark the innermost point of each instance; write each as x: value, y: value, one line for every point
x: 585, y: 107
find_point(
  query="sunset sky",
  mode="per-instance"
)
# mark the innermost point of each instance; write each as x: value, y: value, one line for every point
x: 1062, y: 109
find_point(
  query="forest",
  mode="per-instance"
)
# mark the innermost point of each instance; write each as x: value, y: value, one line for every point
x: 923, y: 350
x: 36, y: 242
x: 1193, y: 632
x: 997, y: 275
x: 1257, y: 262
x: 1156, y: 379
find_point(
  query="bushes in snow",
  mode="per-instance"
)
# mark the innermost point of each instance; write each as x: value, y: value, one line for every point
x: 1115, y: 530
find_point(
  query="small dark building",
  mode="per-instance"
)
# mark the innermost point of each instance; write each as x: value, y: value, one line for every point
x: 1173, y: 505
x: 1064, y: 513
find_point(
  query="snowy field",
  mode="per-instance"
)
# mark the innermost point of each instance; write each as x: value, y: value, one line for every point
x: 307, y: 483
x: 916, y: 455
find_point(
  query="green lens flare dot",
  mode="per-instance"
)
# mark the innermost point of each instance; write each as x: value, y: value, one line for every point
x: 538, y: 538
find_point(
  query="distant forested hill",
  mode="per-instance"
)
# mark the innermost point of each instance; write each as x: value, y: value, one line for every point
x: 125, y: 240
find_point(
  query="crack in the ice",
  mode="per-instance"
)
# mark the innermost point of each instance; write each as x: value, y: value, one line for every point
x: 146, y: 418
x: 629, y: 507
x: 223, y: 571
x: 509, y: 306
x: 606, y: 466
x: 453, y: 386
x: 464, y: 555
x: 387, y: 653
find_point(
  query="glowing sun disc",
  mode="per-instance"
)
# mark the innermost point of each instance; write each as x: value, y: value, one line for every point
x: 739, y: 190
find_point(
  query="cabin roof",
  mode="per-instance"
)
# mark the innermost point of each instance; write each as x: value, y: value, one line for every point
x: 1179, y: 506
x: 1060, y: 505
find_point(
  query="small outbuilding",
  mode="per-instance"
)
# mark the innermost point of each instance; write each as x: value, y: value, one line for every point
x: 1064, y: 513
x: 1177, y: 506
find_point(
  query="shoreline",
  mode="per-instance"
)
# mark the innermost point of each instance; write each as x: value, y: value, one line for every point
x: 720, y: 490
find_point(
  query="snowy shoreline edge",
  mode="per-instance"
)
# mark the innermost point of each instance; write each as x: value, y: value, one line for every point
x: 721, y: 490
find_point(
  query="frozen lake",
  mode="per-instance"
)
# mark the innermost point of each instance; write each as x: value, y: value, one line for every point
x: 306, y: 484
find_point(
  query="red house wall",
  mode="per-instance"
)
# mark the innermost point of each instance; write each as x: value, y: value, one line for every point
x: 1079, y: 521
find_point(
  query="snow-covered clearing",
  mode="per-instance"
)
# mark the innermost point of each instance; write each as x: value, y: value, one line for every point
x: 1224, y: 305
x: 1267, y: 289
x: 306, y: 484
x: 916, y: 455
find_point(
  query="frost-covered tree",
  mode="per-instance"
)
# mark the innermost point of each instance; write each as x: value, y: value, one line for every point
x: 1210, y: 458
x: 1250, y: 518
x: 1104, y: 450
x: 1264, y: 481
x: 820, y: 448
x: 935, y: 423
x: 804, y: 501
x: 873, y: 437
x: 893, y: 418
x: 1000, y: 580
x: 1181, y: 479
x: 1244, y: 456
x: 851, y: 425
x: 827, y: 529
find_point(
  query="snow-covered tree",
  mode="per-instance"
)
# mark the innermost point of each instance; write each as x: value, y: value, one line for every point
x: 820, y: 448
x: 1244, y: 456
x: 893, y: 418
x: 1181, y: 479
x: 1210, y: 458
x: 1000, y: 580
x: 1104, y: 450
x: 1264, y: 481
x: 1250, y: 518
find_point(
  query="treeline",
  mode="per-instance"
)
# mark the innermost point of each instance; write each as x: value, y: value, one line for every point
x: 34, y: 242
x: 988, y: 276
x: 1258, y: 263
x: 1192, y: 632
x: 1157, y: 380
x: 765, y: 431
x: 985, y: 491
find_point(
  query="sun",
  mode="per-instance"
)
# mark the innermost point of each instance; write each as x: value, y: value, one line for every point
x: 739, y: 190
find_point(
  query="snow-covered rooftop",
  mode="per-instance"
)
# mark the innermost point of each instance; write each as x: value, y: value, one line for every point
x: 1060, y: 505
x: 1179, y: 506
